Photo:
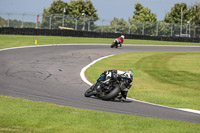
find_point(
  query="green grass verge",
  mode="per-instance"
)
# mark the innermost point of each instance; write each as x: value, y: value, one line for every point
x: 166, y: 78
x: 19, y: 115
x: 19, y: 40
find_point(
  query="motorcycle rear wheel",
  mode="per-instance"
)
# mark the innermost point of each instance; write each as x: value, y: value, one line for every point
x: 114, y: 93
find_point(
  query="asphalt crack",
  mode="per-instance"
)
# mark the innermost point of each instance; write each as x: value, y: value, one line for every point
x: 48, y: 76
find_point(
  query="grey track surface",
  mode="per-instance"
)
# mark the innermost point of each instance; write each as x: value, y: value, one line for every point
x: 52, y: 74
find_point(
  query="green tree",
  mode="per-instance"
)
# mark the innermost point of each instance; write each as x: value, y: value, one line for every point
x: 143, y: 21
x: 194, y: 11
x: 136, y: 27
x: 79, y: 14
x: 85, y: 14
x: 80, y: 8
x: 54, y: 13
x: 57, y: 7
x: 164, y: 29
x: 194, y: 20
x: 3, y: 22
x: 174, y: 16
x: 143, y: 14
x: 119, y: 26
x: 188, y: 19
x: 16, y: 23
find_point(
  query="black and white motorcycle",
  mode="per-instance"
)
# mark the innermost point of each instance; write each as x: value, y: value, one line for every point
x: 106, y: 90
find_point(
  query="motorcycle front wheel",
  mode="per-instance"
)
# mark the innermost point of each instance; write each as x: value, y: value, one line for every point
x: 112, y: 45
x: 89, y: 92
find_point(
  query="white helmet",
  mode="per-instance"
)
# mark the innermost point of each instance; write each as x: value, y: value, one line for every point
x: 122, y: 36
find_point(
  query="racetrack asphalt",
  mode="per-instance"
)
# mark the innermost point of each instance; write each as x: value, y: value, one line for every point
x: 52, y: 74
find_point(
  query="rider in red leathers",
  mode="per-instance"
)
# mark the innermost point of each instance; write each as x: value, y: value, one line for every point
x: 120, y: 40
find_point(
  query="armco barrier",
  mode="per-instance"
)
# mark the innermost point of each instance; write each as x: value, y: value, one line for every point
x: 73, y: 33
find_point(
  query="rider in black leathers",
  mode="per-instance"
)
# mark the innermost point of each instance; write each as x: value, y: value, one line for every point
x: 126, y: 79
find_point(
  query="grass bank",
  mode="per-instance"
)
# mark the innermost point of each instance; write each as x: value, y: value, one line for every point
x: 19, y: 115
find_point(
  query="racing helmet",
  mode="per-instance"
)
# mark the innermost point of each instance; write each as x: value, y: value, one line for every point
x: 130, y: 72
x: 122, y: 36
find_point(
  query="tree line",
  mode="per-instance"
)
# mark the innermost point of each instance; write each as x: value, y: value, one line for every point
x: 84, y: 11
x: 82, y: 15
x: 79, y: 7
x: 16, y: 23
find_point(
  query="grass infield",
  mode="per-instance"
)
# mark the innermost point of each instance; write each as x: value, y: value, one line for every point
x: 166, y: 78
